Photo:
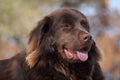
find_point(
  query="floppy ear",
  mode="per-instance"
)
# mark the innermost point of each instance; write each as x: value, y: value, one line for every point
x: 36, y: 37
x: 95, y: 52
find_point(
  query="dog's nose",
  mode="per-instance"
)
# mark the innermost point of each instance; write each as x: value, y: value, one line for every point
x: 86, y: 37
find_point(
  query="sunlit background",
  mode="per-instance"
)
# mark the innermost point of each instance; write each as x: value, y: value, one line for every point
x: 19, y: 17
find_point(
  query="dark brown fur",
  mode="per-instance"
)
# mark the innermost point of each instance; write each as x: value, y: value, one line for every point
x: 44, y: 59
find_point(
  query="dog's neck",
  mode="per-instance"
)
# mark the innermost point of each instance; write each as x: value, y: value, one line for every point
x: 47, y: 67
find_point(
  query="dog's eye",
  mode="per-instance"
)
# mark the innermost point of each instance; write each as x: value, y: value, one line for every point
x: 67, y: 25
x: 84, y: 24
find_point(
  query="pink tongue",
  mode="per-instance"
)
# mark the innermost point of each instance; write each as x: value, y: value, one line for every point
x: 82, y: 56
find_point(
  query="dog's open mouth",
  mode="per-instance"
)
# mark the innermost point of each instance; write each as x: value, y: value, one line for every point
x: 76, y: 55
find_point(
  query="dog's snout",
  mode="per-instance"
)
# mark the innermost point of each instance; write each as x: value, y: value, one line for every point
x: 86, y: 37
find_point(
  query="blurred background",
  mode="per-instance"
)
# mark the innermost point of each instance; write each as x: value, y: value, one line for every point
x: 19, y: 17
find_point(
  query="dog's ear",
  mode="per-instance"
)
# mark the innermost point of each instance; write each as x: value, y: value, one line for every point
x: 95, y: 52
x: 36, y: 37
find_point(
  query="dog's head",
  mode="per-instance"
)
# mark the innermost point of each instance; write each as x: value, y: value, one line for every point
x: 63, y: 34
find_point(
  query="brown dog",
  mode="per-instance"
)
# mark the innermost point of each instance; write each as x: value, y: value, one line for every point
x: 59, y: 48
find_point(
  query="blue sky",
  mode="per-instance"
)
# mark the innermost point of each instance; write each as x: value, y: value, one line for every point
x: 90, y: 10
x: 114, y: 4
